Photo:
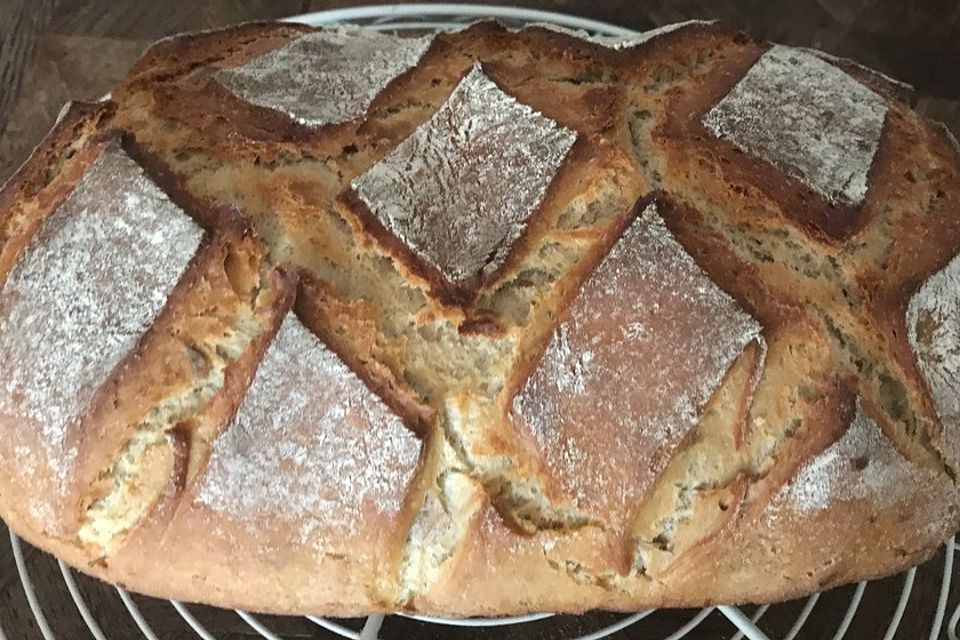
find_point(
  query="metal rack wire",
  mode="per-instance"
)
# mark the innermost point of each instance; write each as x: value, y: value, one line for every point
x: 741, y: 624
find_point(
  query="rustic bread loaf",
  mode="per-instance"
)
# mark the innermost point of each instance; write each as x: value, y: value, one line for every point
x: 487, y: 322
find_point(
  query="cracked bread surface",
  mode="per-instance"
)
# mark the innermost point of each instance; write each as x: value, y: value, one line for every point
x: 637, y: 363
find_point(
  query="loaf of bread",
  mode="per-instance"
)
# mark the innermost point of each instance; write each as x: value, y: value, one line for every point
x: 485, y: 322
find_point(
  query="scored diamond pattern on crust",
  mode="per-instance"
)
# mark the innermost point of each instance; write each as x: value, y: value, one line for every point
x: 862, y: 464
x: 933, y: 329
x: 461, y: 188
x: 636, y: 356
x: 310, y: 443
x: 325, y: 77
x: 90, y: 283
x: 807, y: 117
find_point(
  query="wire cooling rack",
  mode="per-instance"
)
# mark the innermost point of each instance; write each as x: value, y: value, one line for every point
x: 892, y: 609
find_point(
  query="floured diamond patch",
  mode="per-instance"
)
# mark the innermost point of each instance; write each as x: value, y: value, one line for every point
x: 90, y: 283
x: 325, y: 77
x: 310, y: 443
x: 628, y: 372
x: 807, y: 117
x: 933, y: 328
x: 862, y: 465
x: 459, y: 191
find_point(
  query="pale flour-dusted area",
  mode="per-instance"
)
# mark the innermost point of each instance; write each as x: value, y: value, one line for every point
x: 311, y: 452
x: 807, y: 117
x: 88, y: 286
x: 326, y: 77
x: 654, y: 341
x: 862, y: 465
x: 460, y: 190
x: 933, y: 328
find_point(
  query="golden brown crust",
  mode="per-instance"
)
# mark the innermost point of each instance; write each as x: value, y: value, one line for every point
x: 825, y: 285
x: 226, y: 284
x: 321, y: 312
x: 183, y: 53
x: 750, y: 176
x: 48, y: 176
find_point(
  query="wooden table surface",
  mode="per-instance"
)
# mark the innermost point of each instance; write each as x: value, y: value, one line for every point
x: 52, y: 51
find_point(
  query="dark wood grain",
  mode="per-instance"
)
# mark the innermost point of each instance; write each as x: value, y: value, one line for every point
x: 23, y: 21
x: 65, y: 68
x: 80, y: 49
x: 151, y: 20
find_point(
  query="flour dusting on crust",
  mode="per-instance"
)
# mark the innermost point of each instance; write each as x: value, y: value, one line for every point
x: 90, y: 283
x: 310, y: 444
x: 460, y: 190
x: 933, y: 329
x: 862, y: 465
x: 807, y: 117
x: 325, y: 77
x: 643, y: 366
